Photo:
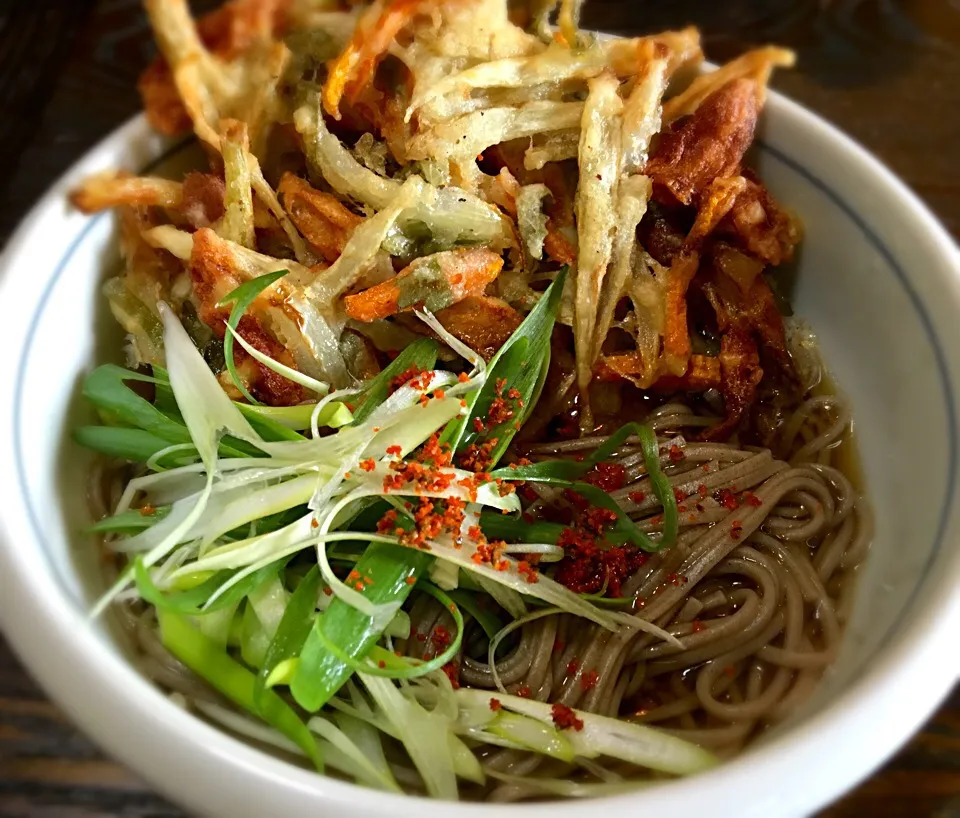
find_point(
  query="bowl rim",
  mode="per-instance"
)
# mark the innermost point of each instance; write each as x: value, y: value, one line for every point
x: 184, y: 742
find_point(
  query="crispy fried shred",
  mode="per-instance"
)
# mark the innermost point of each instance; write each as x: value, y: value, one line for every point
x: 321, y: 217
x: 227, y: 32
x: 708, y: 146
x: 114, y: 189
x: 488, y: 156
x: 745, y: 315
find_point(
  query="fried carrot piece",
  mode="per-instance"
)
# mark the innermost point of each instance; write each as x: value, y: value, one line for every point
x: 482, y: 322
x: 434, y: 282
x: 320, y: 217
x: 740, y: 375
x: 354, y: 67
x: 702, y: 373
x: 557, y: 246
x: 717, y: 201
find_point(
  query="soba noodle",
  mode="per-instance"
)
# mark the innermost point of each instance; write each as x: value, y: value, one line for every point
x: 757, y: 618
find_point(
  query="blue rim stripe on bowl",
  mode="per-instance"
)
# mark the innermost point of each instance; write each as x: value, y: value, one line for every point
x: 19, y: 459
x: 878, y: 244
x: 870, y: 235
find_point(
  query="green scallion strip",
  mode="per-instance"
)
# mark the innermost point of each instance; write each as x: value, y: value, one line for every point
x: 233, y: 680
x: 190, y: 602
x: 421, y: 354
x: 394, y: 571
x: 485, y: 619
x: 320, y: 673
x: 295, y: 624
x: 395, y: 667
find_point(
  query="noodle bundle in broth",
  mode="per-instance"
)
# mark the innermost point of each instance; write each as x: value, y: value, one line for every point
x: 462, y: 447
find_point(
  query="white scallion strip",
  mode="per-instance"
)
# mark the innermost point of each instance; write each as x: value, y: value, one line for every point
x: 206, y: 409
x: 258, y: 504
x: 369, y: 773
x: 269, y: 601
x: 380, y: 615
x: 507, y: 598
x: 257, y: 731
x: 154, y: 459
x: 289, y: 373
x: 531, y: 735
x: 603, y: 736
x: 322, y: 404
x: 547, y: 551
x: 367, y: 739
x: 475, y: 359
x: 545, y: 589
x: 631, y: 621
x: 424, y: 735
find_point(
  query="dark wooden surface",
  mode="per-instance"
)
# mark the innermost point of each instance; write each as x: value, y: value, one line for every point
x: 886, y: 71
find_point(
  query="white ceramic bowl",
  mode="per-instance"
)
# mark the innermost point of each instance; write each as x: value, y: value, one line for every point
x: 879, y: 281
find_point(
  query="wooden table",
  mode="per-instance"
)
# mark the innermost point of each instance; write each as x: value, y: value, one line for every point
x: 887, y: 71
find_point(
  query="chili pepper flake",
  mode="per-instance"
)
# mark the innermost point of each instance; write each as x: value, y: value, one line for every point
x: 565, y: 718
x: 463, y: 377
x: 368, y: 465
x: 495, y: 704
x: 525, y: 569
x: 752, y: 499
x: 676, y: 454
x: 589, y: 680
x: 441, y: 638
x: 499, y: 412
x: 637, y: 496
x: 417, y: 378
x: 727, y: 499
x: 453, y: 674
x: 381, y: 664
x: 607, y: 476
